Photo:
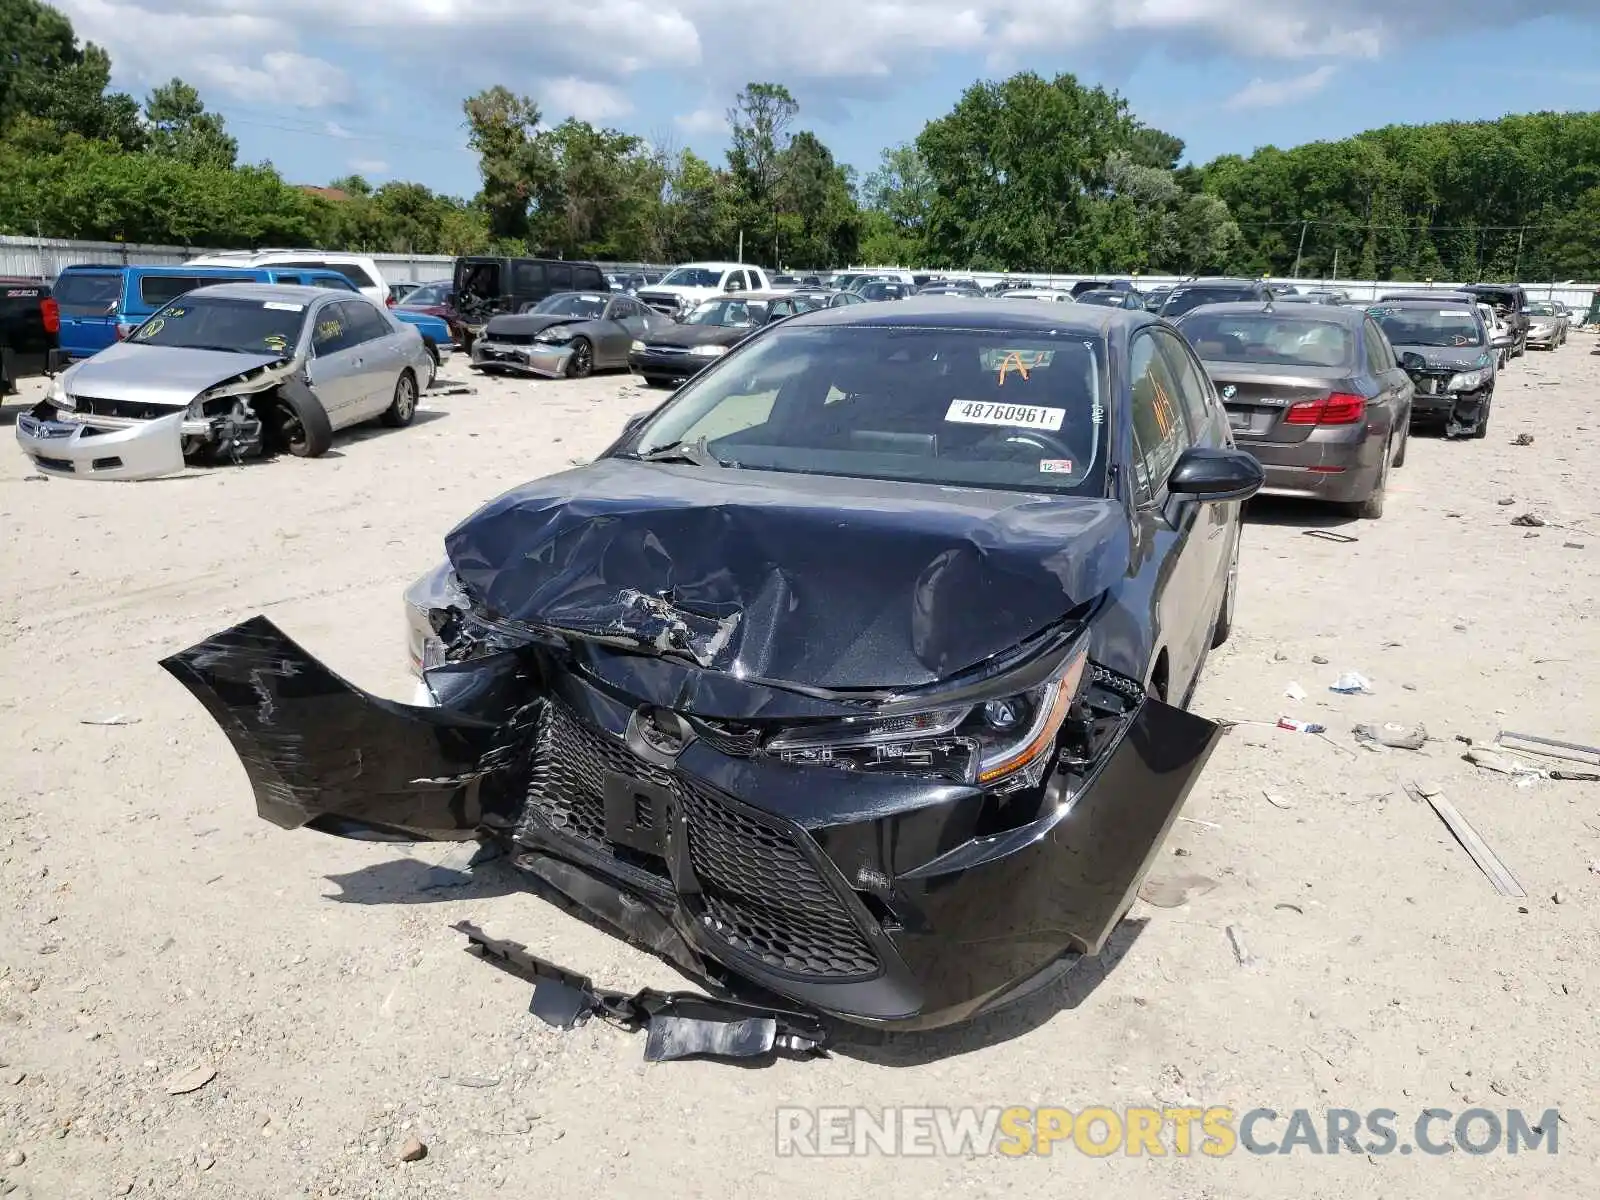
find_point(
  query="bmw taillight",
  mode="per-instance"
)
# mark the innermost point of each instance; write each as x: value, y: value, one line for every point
x: 50, y: 311
x: 1340, y: 408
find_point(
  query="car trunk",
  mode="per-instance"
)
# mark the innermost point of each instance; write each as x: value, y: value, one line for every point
x: 1258, y: 397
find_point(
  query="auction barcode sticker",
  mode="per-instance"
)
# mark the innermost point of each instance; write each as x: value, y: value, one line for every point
x: 1016, y: 416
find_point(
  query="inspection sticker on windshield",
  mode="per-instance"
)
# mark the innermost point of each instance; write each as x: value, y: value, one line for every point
x: 1017, y: 416
x: 1055, y: 466
x: 280, y: 306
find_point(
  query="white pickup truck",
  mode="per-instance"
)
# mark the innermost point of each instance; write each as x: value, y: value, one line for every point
x: 685, y: 287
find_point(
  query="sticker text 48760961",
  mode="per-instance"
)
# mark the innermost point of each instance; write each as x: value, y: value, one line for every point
x: 1016, y: 416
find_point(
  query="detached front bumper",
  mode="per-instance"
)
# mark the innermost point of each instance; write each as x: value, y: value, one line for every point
x: 64, y: 444
x: 544, y: 359
x: 873, y: 898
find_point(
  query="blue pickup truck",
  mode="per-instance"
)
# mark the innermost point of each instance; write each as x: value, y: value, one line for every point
x: 102, y: 304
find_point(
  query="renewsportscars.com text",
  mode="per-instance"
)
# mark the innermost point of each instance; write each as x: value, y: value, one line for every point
x: 1157, y: 1132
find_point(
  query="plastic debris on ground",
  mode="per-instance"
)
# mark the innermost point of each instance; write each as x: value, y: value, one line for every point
x: 1294, y: 692
x: 1295, y: 726
x: 1392, y: 735
x: 1352, y: 683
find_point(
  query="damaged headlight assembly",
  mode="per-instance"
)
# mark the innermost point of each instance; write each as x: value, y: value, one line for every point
x: 1469, y: 381
x: 554, y: 336
x: 57, y: 395
x: 1001, y: 744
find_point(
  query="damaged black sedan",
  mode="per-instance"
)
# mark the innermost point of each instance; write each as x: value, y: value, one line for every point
x: 851, y: 680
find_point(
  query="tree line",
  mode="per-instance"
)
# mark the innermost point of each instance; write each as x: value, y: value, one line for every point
x: 1026, y: 173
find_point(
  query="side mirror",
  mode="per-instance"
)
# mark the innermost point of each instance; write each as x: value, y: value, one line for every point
x: 1208, y: 475
x: 1412, y: 361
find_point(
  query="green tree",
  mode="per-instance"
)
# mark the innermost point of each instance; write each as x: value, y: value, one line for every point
x: 181, y: 128
x: 901, y: 191
x: 759, y: 124
x: 817, y: 195
x: 51, y: 87
x: 513, y: 160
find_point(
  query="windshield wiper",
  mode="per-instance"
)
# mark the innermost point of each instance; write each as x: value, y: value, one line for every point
x: 696, y: 453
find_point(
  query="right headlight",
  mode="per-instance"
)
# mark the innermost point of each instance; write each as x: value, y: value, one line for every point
x: 1000, y: 744
x: 57, y: 394
x: 637, y: 346
x: 1468, y: 381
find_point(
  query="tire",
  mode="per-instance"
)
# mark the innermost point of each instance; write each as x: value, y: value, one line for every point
x: 296, y: 421
x: 1483, y: 421
x: 1223, y: 629
x: 581, y: 364
x: 433, y: 362
x: 1371, y: 509
x: 403, y: 408
x: 1405, y: 444
x: 657, y: 381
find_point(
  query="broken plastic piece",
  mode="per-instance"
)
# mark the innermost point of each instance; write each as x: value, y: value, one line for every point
x: 1398, y: 737
x: 677, y: 1024
x: 1352, y: 683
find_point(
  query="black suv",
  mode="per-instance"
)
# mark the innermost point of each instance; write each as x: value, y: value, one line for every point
x: 29, y: 323
x: 485, y: 287
x: 1511, y: 302
x: 1186, y: 296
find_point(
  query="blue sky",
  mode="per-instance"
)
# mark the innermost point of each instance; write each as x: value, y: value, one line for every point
x: 322, y: 90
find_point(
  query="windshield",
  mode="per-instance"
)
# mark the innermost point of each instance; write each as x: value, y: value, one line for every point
x: 1181, y: 300
x: 692, y: 277
x: 1429, y: 326
x: 734, y: 314
x: 79, y: 292
x: 957, y: 407
x: 1105, y: 299
x: 214, y: 323
x: 573, y: 304
x: 1268, y: 338
x: 1542, y: 310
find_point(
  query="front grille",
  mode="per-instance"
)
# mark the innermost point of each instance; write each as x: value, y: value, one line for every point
x: 510, y: 339
x: 761, y: 892
x: 673, y: 351
x: 98, y: 406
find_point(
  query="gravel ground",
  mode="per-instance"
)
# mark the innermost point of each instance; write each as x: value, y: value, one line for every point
x: 156, y: 931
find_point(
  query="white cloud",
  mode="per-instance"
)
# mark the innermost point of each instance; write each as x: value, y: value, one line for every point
x: 704, y: 120
x: 578, y: 56
x: 1269, y: 93
x: 335, y: 130
x: 368, y: 166
x: 248, y: 52
x: 584, y: 99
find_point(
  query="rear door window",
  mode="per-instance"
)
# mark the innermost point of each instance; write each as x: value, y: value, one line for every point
x: 1379, y: 357
x: 560, y: 276
x: 529, y: 279
x: 84, y: 293
x: 365, y: 321
x: 156, y: 290
x: 589, y: 279
x: 350, y: 271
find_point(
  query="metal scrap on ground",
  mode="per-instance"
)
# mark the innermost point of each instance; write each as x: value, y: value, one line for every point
x: 1504, y: 882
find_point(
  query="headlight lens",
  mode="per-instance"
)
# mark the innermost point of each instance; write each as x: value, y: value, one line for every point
x: 1468, y: 381
x: 708, y: 351
x: 1001, y: 744
x: 638, y: 346
x: 57, y: 395
x: 559, y: 334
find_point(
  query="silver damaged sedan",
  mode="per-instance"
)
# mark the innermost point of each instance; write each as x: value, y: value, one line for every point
x: 224, y: 373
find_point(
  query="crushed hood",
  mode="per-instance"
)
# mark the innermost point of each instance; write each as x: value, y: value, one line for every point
x: 807, y: 579
x: 523, y: 323
x: 157, y: 374
x: 1445, y: 358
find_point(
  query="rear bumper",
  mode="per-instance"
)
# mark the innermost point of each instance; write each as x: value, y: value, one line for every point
x: 1335, y: 464
x: 873, y: 899
x: 121, y: 450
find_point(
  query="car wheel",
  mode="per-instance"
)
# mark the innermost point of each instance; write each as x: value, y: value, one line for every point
x: 1371, y: 509
x: 582, y: 360
x: 1405, y: 444
x: 656, y: 381
x: 1230, y: 591
x: 1482, y: 431
x: 404, y: 405
x: 297, y: 422
x: 433, y: 363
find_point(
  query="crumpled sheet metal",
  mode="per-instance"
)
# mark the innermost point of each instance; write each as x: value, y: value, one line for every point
x: 830, y: 582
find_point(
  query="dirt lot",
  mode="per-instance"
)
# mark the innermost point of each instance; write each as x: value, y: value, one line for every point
x: 152, y: 923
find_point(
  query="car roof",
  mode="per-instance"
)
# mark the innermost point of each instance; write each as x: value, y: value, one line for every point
x: 1042, y: 316
x: 1218, y: 281
x: 286, y: 292
x: 1332, y: 314
x: 1426, y: 302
